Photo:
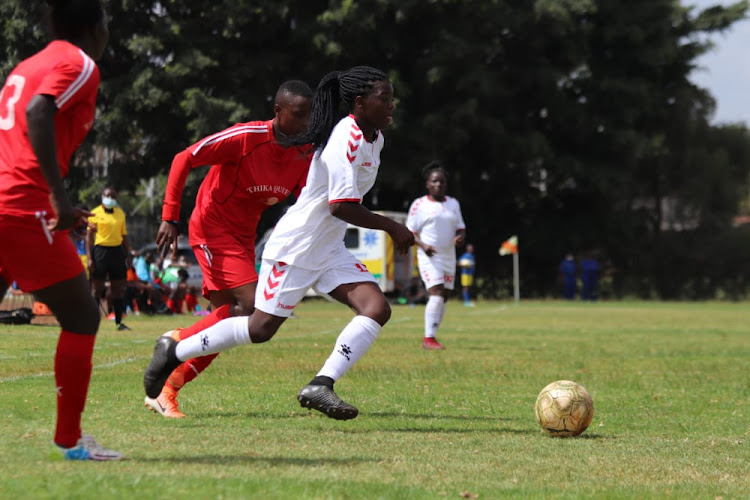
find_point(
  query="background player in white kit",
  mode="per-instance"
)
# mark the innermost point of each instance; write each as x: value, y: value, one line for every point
x: 438, y: 228
x: 307, y: 246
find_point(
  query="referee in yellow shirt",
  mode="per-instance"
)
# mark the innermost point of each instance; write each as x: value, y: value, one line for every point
x: 110, y: 252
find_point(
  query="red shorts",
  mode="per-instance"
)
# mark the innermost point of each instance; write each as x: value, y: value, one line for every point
x: 29, y: 258
x: 226, y: 263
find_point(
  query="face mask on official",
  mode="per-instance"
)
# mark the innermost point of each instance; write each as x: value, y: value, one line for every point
x: 109, y: 202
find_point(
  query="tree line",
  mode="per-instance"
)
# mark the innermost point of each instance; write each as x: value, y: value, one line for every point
x: 571, y: 123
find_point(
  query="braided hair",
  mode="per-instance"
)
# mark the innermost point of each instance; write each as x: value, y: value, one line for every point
x: 69, y: 19
x: 334, y: 98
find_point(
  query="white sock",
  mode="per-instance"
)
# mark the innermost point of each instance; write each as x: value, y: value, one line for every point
x: 442, y: 310
x: 353, y: 342
x: 224, y: 335
x: 433, y: 315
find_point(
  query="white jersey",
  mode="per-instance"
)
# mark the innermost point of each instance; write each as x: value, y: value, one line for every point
x: 308, y: 236
x: 436, y: 223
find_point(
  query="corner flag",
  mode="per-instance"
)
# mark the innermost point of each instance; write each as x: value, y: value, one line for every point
x: 509, y: 246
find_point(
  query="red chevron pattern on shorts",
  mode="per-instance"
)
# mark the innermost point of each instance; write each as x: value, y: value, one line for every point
x: 274, y: 278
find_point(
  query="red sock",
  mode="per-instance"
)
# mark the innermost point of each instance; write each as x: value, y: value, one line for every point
x: 191, y: 301
x: 187, y: 371
x: 191, y: 368
x: 216, y: 315
x: 72, y: 375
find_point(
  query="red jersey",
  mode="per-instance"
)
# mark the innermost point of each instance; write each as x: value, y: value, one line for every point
x: 250, y: 173
x: 67, y: 73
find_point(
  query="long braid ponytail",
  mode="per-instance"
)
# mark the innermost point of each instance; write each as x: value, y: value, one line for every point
x: 334, y: 98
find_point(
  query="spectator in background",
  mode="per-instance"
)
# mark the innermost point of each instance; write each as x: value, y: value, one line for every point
x: 133, y: 287
x: 152, y: 300
x: 80, y: 238
x: 567, y: 271
x: 589, y: 277
x: 110, y: 253
x: 175, y: 281
x: 467, y: 263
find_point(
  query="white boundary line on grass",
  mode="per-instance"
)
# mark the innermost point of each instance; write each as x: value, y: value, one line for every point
x: 50, y: 374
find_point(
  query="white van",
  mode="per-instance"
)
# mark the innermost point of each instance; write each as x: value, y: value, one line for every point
x: 376, y: 251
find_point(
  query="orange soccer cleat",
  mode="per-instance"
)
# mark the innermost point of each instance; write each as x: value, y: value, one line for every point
x: 165, y: 405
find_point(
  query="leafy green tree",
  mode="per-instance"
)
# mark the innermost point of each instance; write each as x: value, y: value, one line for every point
x: 572, y: 123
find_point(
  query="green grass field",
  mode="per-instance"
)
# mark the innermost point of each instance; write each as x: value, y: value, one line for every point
x: 670, y: 383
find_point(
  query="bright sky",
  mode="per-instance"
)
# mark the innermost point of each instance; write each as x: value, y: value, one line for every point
x: 725, y: 70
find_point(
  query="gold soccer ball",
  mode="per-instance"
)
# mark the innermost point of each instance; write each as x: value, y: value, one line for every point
x: 564, y: 408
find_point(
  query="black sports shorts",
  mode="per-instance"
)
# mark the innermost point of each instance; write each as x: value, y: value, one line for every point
x: 109, y: 261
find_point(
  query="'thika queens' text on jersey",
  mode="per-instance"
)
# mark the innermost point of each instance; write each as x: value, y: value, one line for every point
x: 250, y: 173
x: 67, y: 74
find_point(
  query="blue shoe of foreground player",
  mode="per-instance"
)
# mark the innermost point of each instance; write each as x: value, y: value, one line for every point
x: 88, y: 449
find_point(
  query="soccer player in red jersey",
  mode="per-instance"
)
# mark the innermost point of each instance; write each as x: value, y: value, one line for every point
x: 250, y: 172
x: 46, y: 109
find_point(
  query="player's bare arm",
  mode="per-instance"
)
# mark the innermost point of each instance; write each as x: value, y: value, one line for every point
x: 428, y: 249
x: 40, y: 117
x: 355, y: 213
x: 460, y: 238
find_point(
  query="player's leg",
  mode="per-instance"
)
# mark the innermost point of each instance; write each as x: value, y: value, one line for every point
x: 261, y: 326
x: 226, y: 304
x: 433, y: 278
x: 51, y: 269
x: 117, y: 270
x: 118, y: 304
x: 433, y: 316
x: 78, y: 314
x: 99, y: 276
x: 350, y: 284
x: 229, y: 282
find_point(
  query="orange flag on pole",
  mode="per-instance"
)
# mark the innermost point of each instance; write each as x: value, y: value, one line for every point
x: 510, y: 246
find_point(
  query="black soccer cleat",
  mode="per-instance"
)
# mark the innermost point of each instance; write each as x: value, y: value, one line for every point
x: 161, y: 366
x: 323, y: 399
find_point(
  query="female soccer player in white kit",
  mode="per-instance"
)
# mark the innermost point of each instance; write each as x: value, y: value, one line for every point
x: 438, y: 228
x: 306, y: 249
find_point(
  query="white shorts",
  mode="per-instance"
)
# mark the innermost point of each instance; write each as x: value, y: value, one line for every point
x: 437, y: 271
x: 282, y: 286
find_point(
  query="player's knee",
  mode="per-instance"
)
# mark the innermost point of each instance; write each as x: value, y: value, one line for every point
x: 243, y: 309
x: 261, y: 330
x: 84, y: 321
x: 381, y: 313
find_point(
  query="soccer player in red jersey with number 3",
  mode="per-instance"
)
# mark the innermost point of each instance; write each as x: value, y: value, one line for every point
x: 46, y: 110
x: 251, y: 171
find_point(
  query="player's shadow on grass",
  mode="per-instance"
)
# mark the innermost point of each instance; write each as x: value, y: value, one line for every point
x: 248, y: 414
x: 433, y: 416
x: 439, y: 430
x: 250, y: 459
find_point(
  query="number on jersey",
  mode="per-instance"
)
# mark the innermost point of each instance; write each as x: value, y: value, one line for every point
x: 9, y: 96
